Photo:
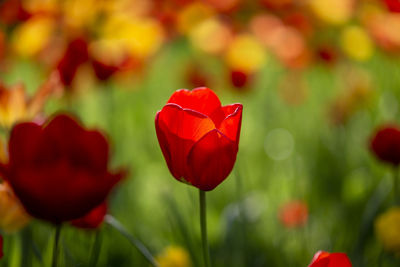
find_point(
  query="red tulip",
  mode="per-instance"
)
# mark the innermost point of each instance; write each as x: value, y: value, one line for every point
x: 326, y: 259
x: 59, y: 171
x: 1, y: 247
x: 393, y: 5
x: 239, y: 78
x: 75, y: 55
x: 386, y: 144
x: 93, y: 219
x: 294, y: 214
x: 198, y: 137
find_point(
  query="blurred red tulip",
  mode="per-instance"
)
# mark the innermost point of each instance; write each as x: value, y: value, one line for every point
x: 327, y: 54
x: 326, y: 259
x: 93, y: 219
x: 199, y: 138
x: 12, y: 11
x: 294, y: 214
x: 239, y: 78
x: 1, y: 247
x: 393, y: 5
x: 385, y: 144
x: 74, y: 56
x: 59, y: 171
x: 102, y: 70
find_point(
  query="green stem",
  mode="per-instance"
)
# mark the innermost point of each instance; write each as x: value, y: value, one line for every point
x: 56, y: 242
x: 94, y: 258
x: 203, y: 225
x: 135, y: 242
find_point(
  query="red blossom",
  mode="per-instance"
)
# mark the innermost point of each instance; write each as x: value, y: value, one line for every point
x: 393, y: 5
x: 198, y: 137
x: 294, y: 214
x: 93, y: 219
x: 326, y: 259
x: 385, y: 144
x: 59, y: 170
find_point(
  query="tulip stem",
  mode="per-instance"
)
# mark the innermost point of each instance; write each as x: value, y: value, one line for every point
x: 56, y: 243
x: 203, y: 225
x: 135, y: 242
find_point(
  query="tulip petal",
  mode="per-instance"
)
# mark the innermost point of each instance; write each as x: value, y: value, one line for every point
x: 24, y: 141
x: 211, y: 160
x: 177, y: 130
x: 231, y: 125
x: 339, y: 259
x: 202, y: 100
x: 96, y: 150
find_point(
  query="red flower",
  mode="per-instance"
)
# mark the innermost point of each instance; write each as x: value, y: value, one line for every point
x: 93, y: 219
x: 386, y: 144
x: 239, y: 78
x: 198, y: 137
x: 59, y: 171
x: 393, y: 5
x: 75, y: 55
x: 326, y: 259
x: 294, y: 214
x: 1, y: 247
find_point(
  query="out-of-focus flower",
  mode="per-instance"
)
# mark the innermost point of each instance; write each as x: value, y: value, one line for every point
x: 225, y: 6
x: 384, y: 29
x: 12, y: 11
x: 300, y: 22
x: 59, y: 170
x: 385, y: 144
x: 211, y: 36
x: 141, y: 37
x: 333, y: 11
x: 277, y: 4
x: 199, y: 138
x: 93, y: 219
x: 387, y: 229
x: 13, y: 216
x: 74, y: 56
x: 393, y: 5
x: 195, y: 76
x: 293, y: 214
x: 239, y: 78
x: 245, y: 53
x: 16, y: 106
x: 327, y: 54
x: 80, y: 13
x: 356, y: 43
x: 32, y: 36
x: 193, y: 14
x: 174, y: 256
x: 326, y: 259
x: 41, y: 7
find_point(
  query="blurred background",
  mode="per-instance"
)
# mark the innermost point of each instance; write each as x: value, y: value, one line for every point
x: 315, y: 77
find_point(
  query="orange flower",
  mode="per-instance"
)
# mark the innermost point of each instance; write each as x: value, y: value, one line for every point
x: 13, y: 216
x: 294, y: 214
x: 16, y: 106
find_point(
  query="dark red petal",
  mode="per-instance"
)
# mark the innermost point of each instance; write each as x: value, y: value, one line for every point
x: 232, y: 123
x: 211, y: 160
x: 177, y: 130
x: 386, y: 144
x: 58, y: 192
x: 393, y: 5
x: 202, y: 100
x: 93, y: 219
x: 320, y: 259
x: 23, y: 143
x: 95, y: 149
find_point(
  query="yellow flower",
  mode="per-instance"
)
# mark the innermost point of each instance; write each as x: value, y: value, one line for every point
x: 387, y: 229
x: 192, y: 15
x: 356, y: 43
x: 174, y: 256
x: 333, y: 11
x: 13, y: 216
x: 245, y: 53
x: 32, y: 36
